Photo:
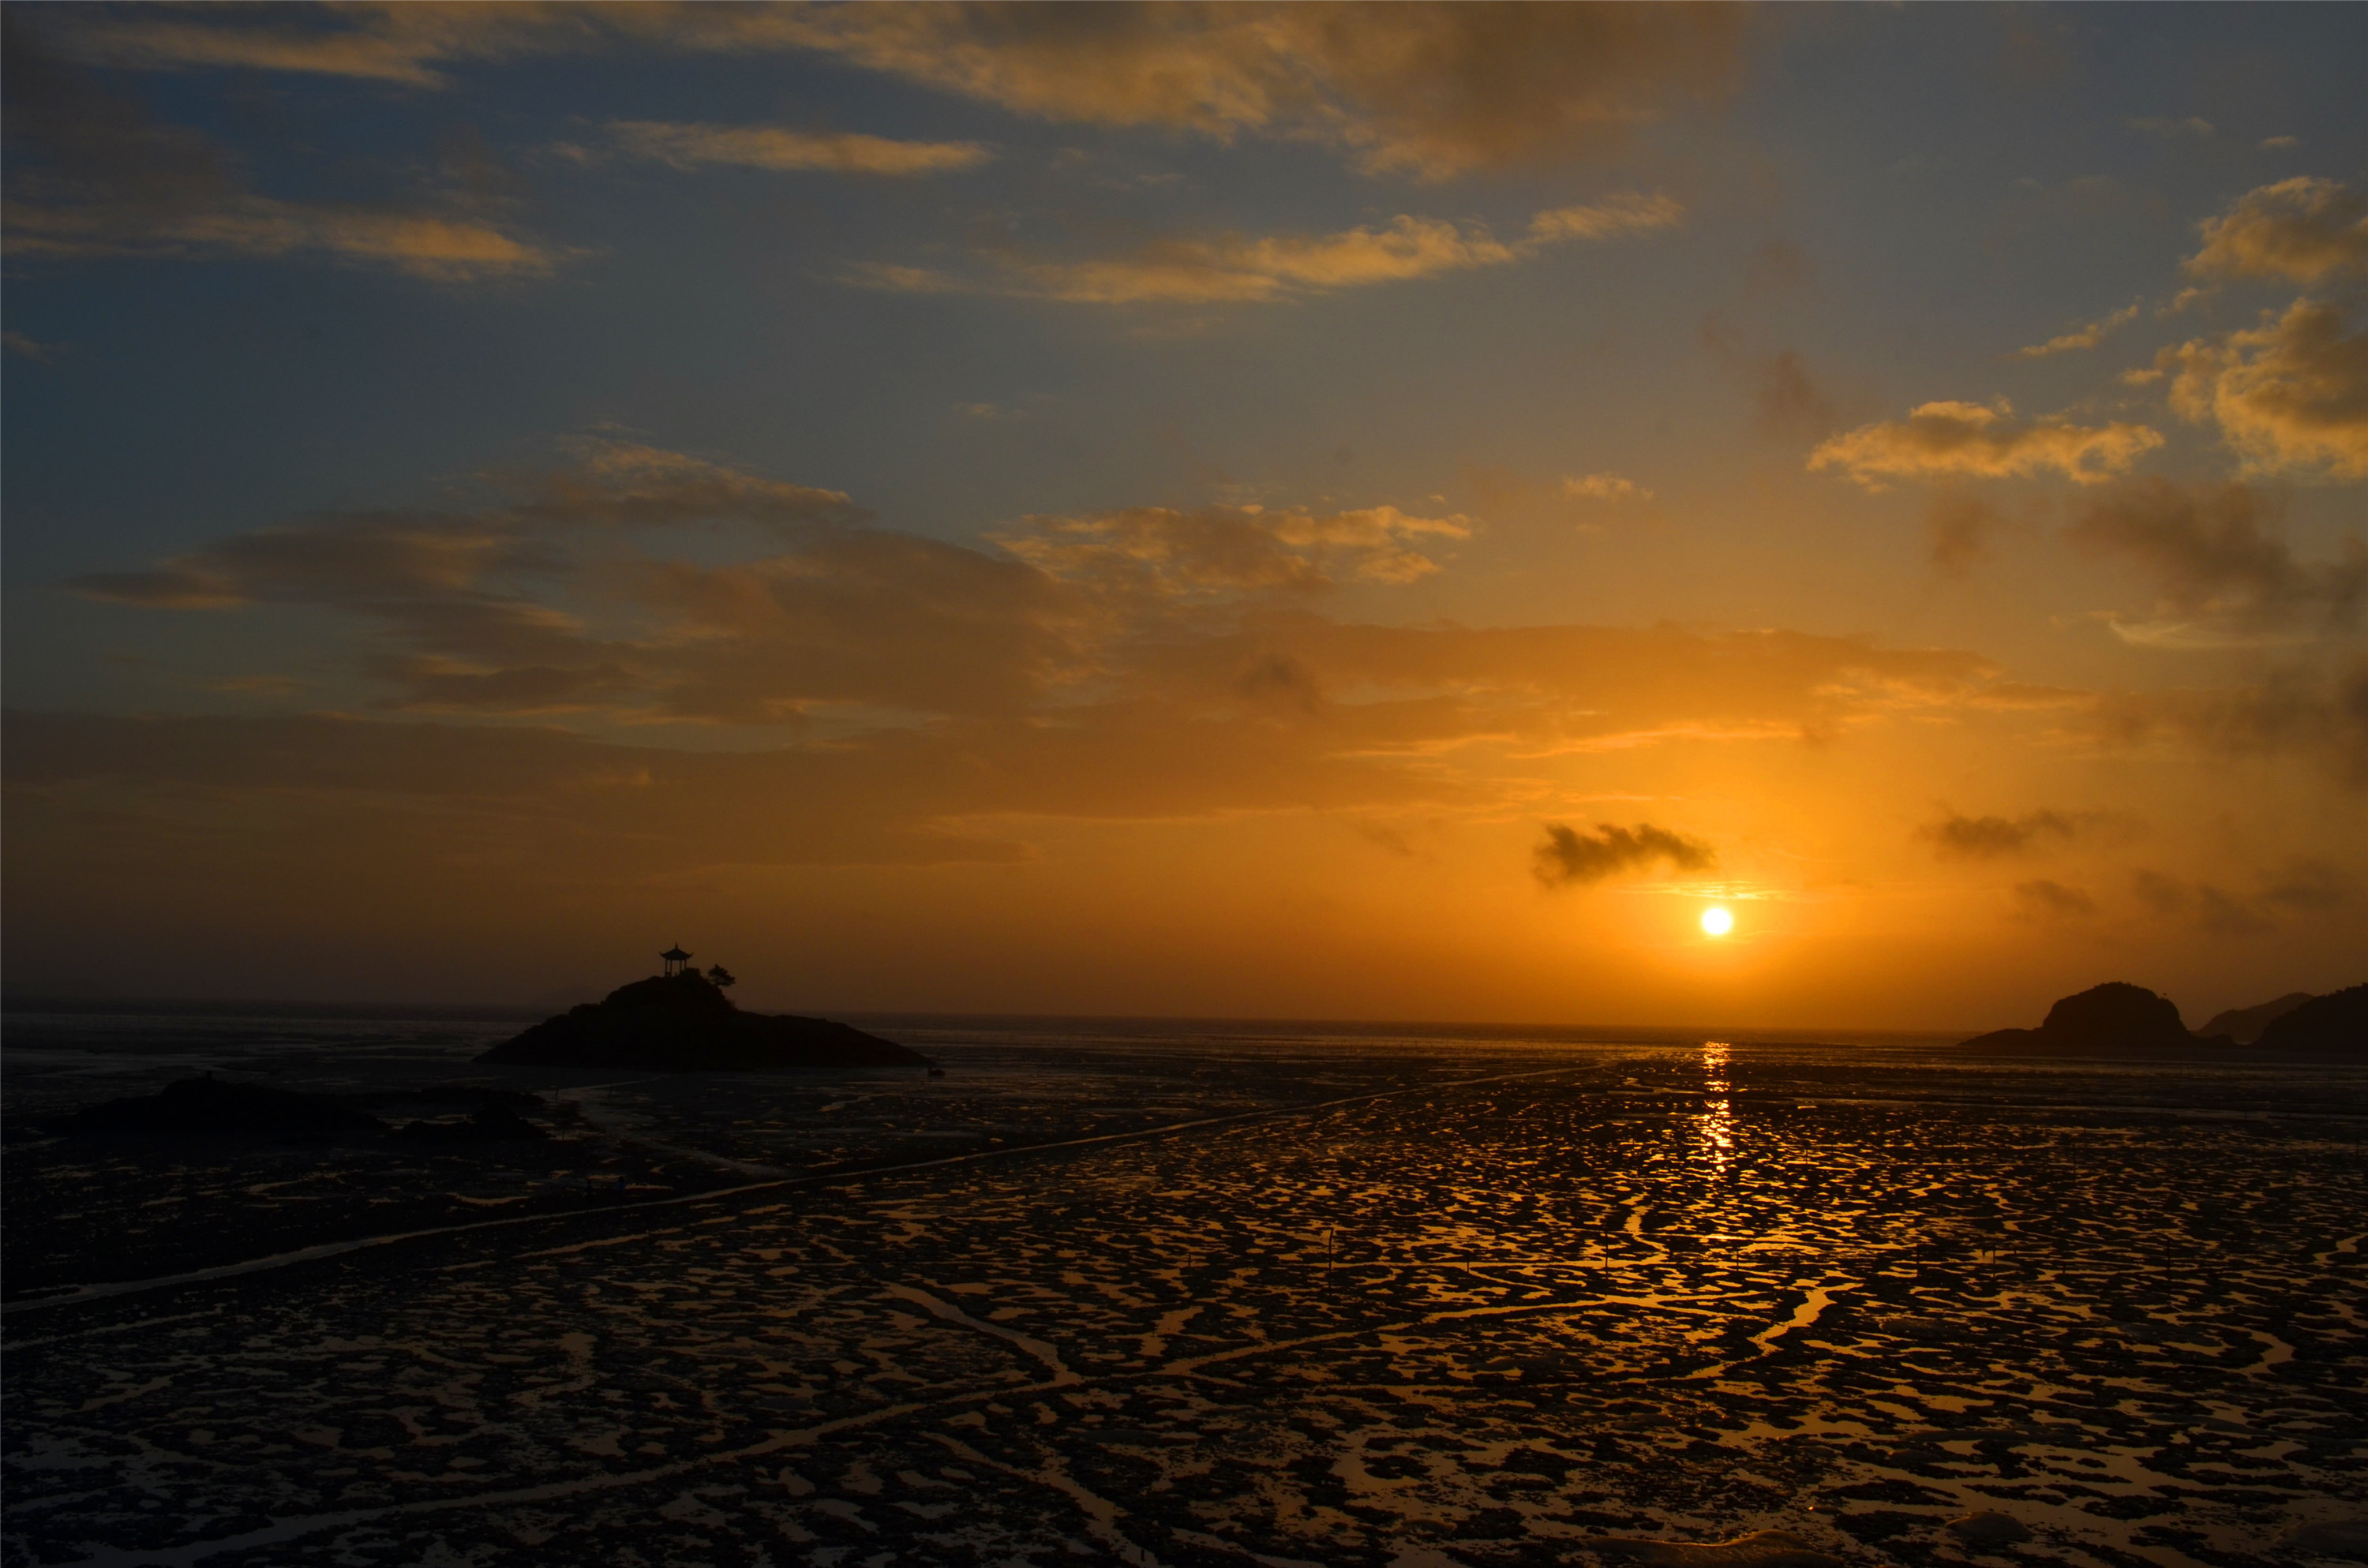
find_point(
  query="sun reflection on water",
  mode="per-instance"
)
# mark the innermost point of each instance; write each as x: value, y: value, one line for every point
x: 1716, y: 1125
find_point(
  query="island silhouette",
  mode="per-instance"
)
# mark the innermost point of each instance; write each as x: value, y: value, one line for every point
x: 2118, y: 1018
x: 681, y: 1021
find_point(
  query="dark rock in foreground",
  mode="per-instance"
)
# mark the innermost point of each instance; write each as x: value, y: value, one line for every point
x: 494, y: 1124
x: 2244, y: 1025
x: 2111, y: 1019
x: 684, y: 1023
x: 2329, y: 1025
x: 210, y: 1109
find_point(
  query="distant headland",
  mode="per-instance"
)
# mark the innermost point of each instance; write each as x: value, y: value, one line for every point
x: 680, y: 1021
x: 2121, y: 1020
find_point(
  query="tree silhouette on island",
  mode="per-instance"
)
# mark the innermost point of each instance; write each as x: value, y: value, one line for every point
x: 680, y: 1021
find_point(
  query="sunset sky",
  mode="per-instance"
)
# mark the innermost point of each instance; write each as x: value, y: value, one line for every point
x: 1317, y: 512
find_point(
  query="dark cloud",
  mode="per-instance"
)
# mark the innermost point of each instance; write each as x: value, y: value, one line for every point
x: 2164, y: 895
x: 2218, y: 564
x: 1788, y: 404
x: 1570, y: 858
x: 2221, y: 913
x: 92, y: 174
x: 2304, y: 887
x: 2211, y: 910
x: 1164, y: 554
x: 2311, y: 886
x: 490, y: 611
x: 553, y: 597
x: 31, y: 348
x: 433, y: 685
x: 2040, y: 897
x: 2297, y: 712
x: 1990, y: 837
x: 1960, y: 527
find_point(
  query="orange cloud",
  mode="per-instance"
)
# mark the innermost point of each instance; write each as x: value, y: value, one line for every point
x: 2290, y: 396
x: 260, y: 227
x: 1967, y: 440
x: 2303, y: 230
x: 1614, y: 216
x: 1605, y: 487
x: 1431, y: 90
x: 1423, y: 89
x: 1234, y: 268
x: 774, y: 147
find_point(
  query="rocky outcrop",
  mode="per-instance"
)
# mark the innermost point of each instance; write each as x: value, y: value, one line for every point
x: 215, y: 1110
x: 684, y: 1023
x: 490, y: 1124
x: 2112, y: 1019
x: 2334, y: 1024
x: 2244, y: 1025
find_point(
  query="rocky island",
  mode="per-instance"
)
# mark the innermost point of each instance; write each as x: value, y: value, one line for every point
x: 681, y: 1021
x: 2121, y: 1020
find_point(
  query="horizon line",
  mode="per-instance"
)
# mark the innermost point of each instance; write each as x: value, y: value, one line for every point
x: 16, y: 1000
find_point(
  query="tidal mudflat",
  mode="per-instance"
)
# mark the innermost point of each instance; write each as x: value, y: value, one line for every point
x: 1222, y: 1296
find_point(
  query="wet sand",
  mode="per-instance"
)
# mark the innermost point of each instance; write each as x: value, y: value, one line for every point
x: 1409, y: 1303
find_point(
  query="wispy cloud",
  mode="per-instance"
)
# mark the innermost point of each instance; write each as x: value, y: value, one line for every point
x: 1430, y: 90
x: 2086, y: 336
x: 1234, y: 549
x: 2172, y: 125
x: 1235, y: 268
x: 103, y: 178
x: 26, y: 347
x: 1605, y: 487
x: 691, y: 146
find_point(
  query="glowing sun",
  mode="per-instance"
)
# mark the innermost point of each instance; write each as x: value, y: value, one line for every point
x: 1717, y: 922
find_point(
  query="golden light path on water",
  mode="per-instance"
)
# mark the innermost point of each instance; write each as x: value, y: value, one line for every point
x: 1716, y: 1122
